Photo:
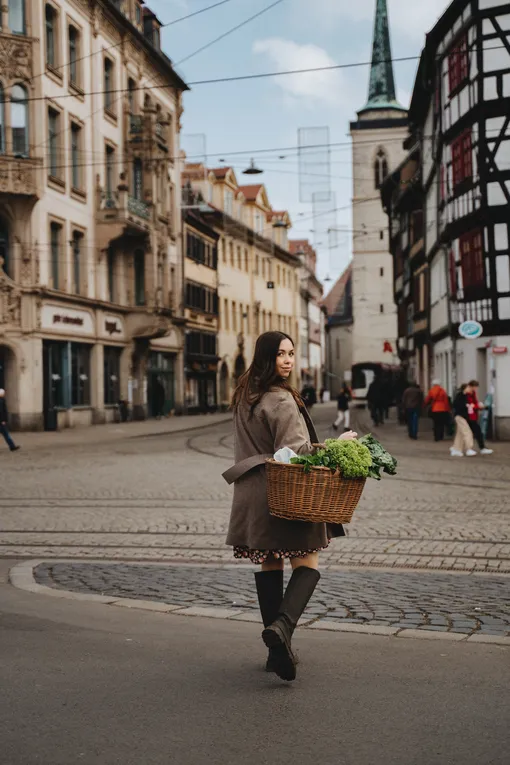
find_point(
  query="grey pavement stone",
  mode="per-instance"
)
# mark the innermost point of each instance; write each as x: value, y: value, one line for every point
x: 339, y: 598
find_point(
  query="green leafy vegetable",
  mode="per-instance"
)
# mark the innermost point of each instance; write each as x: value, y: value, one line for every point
x: 381, y: 459
x: 351, y: 458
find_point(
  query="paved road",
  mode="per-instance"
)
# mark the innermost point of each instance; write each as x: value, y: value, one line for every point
x: 162, y: 498
x: 84, y: 683
x: 429, y: 601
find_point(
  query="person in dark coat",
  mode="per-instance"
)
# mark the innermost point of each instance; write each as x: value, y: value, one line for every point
x: 376, y: 401
x: 268, y: 415
x: 342, y: 401
x: 412, y: 401
x: 4, y: 420
x: 309, y: 396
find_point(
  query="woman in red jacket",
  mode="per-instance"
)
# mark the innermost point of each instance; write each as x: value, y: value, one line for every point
x: 440, y: 409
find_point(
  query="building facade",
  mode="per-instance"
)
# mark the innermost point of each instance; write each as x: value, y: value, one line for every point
x: 201, y: 309
x: 258, y: 279
x: 312, y: 317
x: 402, y: 197
x: 377, y: 145
x: 90, y: 283
x: 459, y: 111
x: 339, y: 335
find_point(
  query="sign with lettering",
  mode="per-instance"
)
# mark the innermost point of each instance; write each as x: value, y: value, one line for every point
x: 67, y: 321
x: 112, y: 327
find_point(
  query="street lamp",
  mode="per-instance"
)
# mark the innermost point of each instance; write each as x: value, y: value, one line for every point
x: 252, y: 169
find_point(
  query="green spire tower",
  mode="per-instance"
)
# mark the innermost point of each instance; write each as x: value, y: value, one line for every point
x: 381, y: 90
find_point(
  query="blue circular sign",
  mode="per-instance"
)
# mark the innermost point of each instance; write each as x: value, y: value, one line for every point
x: 470, y: 330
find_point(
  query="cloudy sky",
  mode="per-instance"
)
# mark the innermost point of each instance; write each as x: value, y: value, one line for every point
x: 266, y: 114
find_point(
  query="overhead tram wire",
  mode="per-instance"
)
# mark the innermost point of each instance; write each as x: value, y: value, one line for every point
x: 236, y: 78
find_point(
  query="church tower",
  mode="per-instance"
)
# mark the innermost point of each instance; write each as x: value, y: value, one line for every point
x: 377, y: 148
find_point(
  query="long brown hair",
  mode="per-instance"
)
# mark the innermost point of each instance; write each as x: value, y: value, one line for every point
x: 262, y: 376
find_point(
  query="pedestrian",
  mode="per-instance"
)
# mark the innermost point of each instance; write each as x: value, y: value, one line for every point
x: 268, y: 415
x: 439, y: 403
x: 412, y: 402
x: 474, y: 407
x: 463, y: 442
x: 309, y: 396
x: 376, y: 401
x: 344, y: 415
x: 4, y: 422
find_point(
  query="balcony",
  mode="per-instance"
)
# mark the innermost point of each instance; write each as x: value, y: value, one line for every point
x: 21, y: 177
x: 119, y: 215
x: 144, y: 127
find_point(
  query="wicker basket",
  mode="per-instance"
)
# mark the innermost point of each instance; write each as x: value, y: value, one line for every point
x: 318, y: 496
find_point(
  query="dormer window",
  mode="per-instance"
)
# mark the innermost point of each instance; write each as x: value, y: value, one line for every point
x: 138, y: 13
x: 151, y: 31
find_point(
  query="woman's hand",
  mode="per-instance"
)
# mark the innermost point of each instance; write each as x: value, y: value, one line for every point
x: 350, y: 435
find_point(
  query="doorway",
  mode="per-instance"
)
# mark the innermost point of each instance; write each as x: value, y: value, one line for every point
x: 160, y: 384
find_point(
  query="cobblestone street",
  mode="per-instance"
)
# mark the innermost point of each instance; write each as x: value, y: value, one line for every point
x: 160, y: 497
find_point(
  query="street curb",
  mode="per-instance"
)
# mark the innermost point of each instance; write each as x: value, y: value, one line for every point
x: 22, y: 577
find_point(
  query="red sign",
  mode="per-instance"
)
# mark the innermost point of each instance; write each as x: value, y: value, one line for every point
x: 500, y: 349
x: 387, y: 347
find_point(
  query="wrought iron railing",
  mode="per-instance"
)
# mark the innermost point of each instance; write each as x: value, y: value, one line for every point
x: 138, y: 207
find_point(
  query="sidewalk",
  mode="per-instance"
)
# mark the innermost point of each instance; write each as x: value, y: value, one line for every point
x: 118, y: 431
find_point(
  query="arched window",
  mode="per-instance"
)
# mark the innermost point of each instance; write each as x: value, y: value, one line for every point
x: 17, y: 16
x: 380, y: 168
x: 2, y: 121
x: 4, y: 246
x: 19, y: 121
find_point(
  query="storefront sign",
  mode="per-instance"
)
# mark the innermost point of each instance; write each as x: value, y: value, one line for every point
x: 113, y: 327
x: 470, y: 330
x: 500, y: 349
x: 66, y: 321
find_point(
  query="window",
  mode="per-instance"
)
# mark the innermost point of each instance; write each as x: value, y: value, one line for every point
x: 337, y: 348
x: 231, y: 250
x: 132, y: 94
x: 110, y: 171
x: 202, y: 298
x: 257, y: 265
x: 239, y: 260
x: 138, y: 13
x: 138, y: 178
x: 109, y: 85
x: 17, y: 16
x: 472, y: 260
x: 77, y: 254
x: 4, y: 246
x: 51, y: 36
x: 55, y: 248
x: 380, y: 168
x: 200, y: 344
x: 53, y: 141
x: 139, y: 277
x: 2, y: 120
x: 381, y: 308
x: 111, y: 274
x: 381, y: 272
x: 75, y: 156
x: 229, y: 202
x: 234, y: 316
x: 458, y: 65
x: 111, y: 375
x: 223, y: 251
x: 80, y: 374
x: 74, y: 52
x: 226, y: 316
x: 452, y: 267
x: 19, y: 121
x: 246, y: 261
x: 462, y: 158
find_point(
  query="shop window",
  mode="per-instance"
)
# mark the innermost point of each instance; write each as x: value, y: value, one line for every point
x: 17, y: 16
x: 111, y: 375
x: 51, y: 36
x: 19, y: 121
x: 56, y: 253
x: 77, y: 253
x: 139, y: 277
x: 80, y: 374
x: 74, y: 56
x: 472, y: 261
x: 458, y: 65
x: 57, y: 371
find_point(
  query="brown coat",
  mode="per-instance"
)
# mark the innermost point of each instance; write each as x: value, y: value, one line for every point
x: 276, y: 422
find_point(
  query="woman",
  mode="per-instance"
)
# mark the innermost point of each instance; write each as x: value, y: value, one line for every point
x: 439, y: 403
x: 343, y: 399
x: 463, y: 443
x: 269, y: 414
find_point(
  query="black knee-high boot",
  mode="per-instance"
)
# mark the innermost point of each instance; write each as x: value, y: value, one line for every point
x: 270, y: 594
x: 278, y: 635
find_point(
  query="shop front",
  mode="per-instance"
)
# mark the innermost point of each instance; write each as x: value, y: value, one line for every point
x: 201, y: 372
x: 160, y: 383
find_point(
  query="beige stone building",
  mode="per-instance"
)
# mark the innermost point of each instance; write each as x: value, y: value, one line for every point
x: 258, y: 279
x: 90, y: 285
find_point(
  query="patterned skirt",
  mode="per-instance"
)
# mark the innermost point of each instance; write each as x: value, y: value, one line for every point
x: 261, y: 556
